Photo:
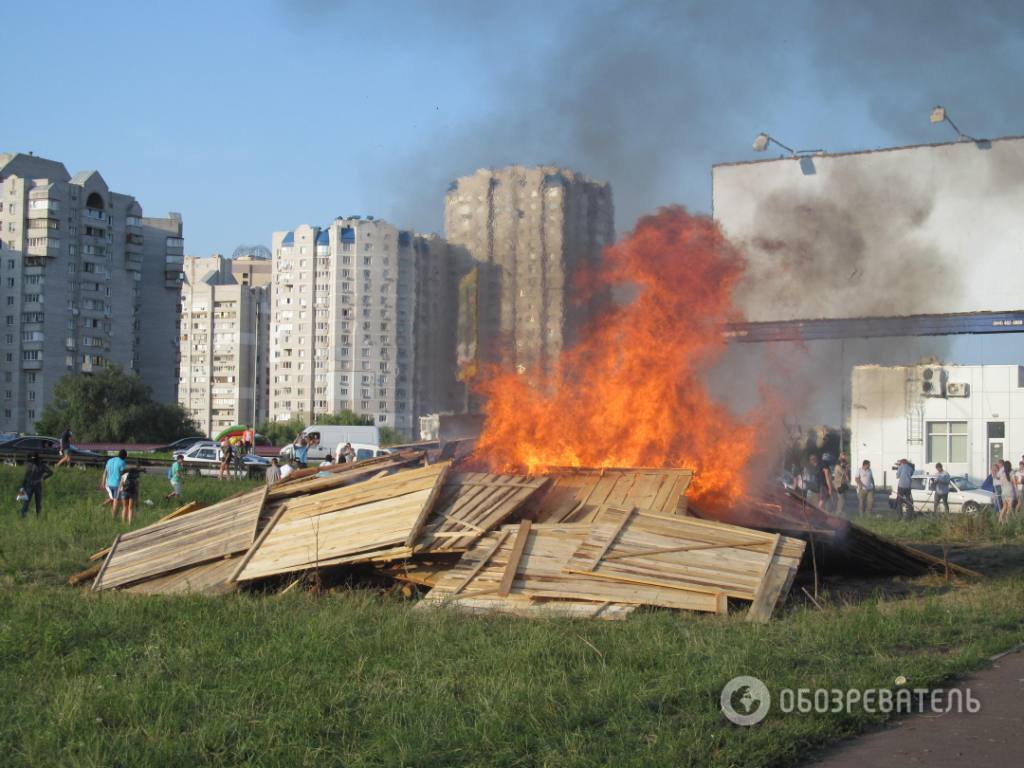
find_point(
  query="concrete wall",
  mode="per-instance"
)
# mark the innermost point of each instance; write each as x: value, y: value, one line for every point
x: 889, y: 419
x: 926, y: 229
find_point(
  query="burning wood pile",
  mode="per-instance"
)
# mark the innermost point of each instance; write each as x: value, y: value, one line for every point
x: 590, y: 543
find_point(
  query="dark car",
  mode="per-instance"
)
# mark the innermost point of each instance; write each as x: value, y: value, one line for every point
x: 180, y: 445
x: 21, y: 448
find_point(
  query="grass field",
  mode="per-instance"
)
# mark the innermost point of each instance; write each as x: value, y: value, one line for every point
x: 358, y: 678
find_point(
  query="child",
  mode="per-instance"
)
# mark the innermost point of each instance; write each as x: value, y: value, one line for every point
x: 174, y: 475
x: 129, y: 491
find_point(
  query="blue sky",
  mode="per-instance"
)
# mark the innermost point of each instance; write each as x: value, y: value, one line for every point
x: 251, y: 117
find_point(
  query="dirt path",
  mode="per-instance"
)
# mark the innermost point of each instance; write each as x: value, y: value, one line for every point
x: 994, y: 736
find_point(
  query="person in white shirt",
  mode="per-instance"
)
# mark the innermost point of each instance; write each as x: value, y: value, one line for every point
x: 287, y: 469
x: 865, y: 482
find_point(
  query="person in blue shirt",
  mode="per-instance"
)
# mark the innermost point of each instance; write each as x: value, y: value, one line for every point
x: 941, y: 488
x: 111, y: 481
x: 904, y: 498
x: 301, y: 452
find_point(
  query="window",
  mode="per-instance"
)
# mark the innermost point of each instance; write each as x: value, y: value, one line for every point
x: 947, y: 441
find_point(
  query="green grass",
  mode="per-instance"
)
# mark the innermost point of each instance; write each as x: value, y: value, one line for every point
x: 359, y: 678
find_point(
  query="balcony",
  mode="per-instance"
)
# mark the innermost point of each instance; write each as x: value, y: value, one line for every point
x: 94, y: 214
x: 43, y: 247
x: 134, y: 238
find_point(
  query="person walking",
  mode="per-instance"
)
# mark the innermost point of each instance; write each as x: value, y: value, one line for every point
x: 111, y: 479
x: 65, y: 449
x: 940, y: 486
x: 32, y: 484
x: 273, y: 472
x: 129, y: 486
x: 904, y: 497
x: 174, y: 475
x: 865, y: 481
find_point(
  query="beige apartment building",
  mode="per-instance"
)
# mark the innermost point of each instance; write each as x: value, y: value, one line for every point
x: 353, y: 323
x: 225, y: 331
x: 529, y: 230
x: 85, y: 281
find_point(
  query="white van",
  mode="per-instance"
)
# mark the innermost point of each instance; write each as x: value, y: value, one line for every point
x: 324, y: 440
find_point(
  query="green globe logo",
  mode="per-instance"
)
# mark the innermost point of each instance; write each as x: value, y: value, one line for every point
x: 745, y: 700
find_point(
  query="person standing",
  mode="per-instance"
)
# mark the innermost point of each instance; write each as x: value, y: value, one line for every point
x: 841, y: 482
x: 302, y: 452
x: 940, y: 486
x: 904, y: 496
x: 273, y: 472
x: 1020, y: 487
x: 287, y: 469
x: 997, y: 489
x: 174, y: 475
x: 865, y: 481
x: 111, y: 481
x: 227, y: 453
x: 65, y: 449
x: 812, y: 481
x: 32, y: 484
x: 828, y: 490
x: 1009, y: 492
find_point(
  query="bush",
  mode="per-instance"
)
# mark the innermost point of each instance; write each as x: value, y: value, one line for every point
x: 111, y: 406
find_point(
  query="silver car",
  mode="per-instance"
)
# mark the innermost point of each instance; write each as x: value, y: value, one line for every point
x: 964, y: 496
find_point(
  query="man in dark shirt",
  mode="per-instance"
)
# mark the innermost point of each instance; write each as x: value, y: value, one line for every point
x: 32, y: 484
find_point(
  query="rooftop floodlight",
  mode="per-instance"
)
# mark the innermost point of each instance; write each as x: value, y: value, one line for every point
x: 763, y: 140
x: 939, y: 116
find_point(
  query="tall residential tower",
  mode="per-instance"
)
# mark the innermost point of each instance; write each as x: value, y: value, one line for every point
x: 225, y: 331
x: 529, y: 230
x: 85, y: 281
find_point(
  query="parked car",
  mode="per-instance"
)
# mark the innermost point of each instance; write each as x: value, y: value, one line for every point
x: 181, y: 444
x: 48, y: 448
x: 204, y: 459
x: 964, y: 496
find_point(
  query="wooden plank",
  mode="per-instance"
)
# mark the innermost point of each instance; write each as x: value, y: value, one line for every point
x: 517, y: 553
x: 612, y: 536
x: 486, y: 558
x: 417, y: 525
x: 775, y: 584
x: 106, y: 562
x: 256, y: 544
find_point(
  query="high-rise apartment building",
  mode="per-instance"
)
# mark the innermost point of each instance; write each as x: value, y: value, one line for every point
x: 529, y: 230
x: 225, y: 331
x: 358, y: 323
x: 74, y: 257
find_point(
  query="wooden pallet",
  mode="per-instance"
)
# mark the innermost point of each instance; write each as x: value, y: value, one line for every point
x: 471, y: 504
x: 576, y: 495
x: 373, y: 521
x: 536, y: 608
x: 682, y: 553
x: 211, y: 533
x: 528, y: 561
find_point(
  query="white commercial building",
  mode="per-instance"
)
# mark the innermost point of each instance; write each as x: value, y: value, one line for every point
x: 964, y: 416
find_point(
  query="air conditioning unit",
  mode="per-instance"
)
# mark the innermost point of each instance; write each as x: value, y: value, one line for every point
x: 957, y: 389
x: 931, y: 382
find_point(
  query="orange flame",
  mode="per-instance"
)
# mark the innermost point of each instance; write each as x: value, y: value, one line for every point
x: 630, y: 394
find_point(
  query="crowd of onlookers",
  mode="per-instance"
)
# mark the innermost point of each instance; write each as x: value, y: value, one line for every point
x: 825, y: 482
